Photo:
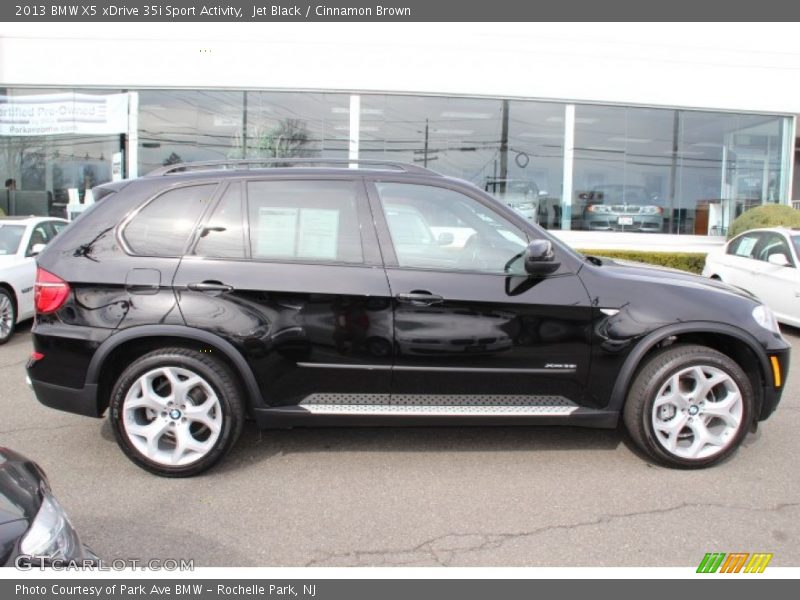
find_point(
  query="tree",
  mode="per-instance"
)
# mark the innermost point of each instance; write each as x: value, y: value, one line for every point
x: 288, y: 139
x: 172, y: 159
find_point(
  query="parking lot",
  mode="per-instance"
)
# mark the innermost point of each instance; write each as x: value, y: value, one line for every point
x: 420, y: 496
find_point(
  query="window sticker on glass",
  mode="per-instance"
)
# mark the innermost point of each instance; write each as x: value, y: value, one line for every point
x: 318, y: 233
x: 277, y: 232
x: 745, y: 247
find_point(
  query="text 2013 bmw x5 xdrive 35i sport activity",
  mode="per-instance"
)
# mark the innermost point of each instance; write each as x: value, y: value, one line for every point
x: 186, y: 301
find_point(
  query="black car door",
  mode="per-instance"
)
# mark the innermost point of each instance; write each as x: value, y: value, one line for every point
x: 472, y: 329
x: 288, y: 270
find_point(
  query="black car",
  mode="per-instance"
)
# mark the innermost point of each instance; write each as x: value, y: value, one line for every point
x: 186, y: 301
x: 34, y: 529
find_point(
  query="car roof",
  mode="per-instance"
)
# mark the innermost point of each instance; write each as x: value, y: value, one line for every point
x: 28, y: 220
x: 779, y: 229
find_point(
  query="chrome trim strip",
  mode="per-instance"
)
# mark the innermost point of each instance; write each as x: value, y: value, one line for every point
x: 350, y: 366
x: 539, y: 371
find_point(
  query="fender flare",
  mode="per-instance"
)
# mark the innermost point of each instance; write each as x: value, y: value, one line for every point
x: 634, y: 358
x: 178, y: 331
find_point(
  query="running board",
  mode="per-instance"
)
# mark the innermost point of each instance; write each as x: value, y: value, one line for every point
x: 413, y: 409
x: 437, y: 405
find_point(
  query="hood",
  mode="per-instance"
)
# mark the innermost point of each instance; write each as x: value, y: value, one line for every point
x: 20, y: 487
x: 666, y: 275
x: 9, y: 259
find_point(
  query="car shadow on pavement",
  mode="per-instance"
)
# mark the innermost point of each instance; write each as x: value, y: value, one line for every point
x: 259, y: 445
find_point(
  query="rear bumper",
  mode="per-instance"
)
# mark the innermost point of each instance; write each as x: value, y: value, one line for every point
x: 81, y: 401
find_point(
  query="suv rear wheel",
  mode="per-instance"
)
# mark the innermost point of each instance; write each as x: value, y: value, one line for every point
x: 689, y: 407
x: 176, y: 412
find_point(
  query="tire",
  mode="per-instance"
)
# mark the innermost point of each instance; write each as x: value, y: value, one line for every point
x: 8, y: 316
x: 149, y: 420
x: 704, y: 423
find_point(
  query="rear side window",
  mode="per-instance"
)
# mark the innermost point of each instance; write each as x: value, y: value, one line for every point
x: 744, y: 245
x: 304, y: 220
x: 163, y: 226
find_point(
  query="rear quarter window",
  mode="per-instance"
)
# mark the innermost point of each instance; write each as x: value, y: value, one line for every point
x: 165, y: 224
x: 744, y: 245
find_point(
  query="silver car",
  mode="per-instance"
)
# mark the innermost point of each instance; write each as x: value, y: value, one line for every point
x: 621, y: 208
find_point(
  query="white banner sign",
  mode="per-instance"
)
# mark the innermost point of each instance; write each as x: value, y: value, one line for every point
x: 58, y: 114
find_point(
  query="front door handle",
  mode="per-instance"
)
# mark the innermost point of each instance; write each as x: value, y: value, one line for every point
x: 420, y: 298
x: 210, y: 286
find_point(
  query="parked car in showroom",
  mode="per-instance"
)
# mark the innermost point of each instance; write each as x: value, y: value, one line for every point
x: 765, y: 262
x: 207, y: 293
x: 34, y: 529
x: 21, y: 239
x: 622, y: 208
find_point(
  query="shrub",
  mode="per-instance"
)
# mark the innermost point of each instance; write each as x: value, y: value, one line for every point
x: 685, y: 261
x: 769, y: 215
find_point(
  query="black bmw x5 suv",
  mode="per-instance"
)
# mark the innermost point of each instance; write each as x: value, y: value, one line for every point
x: 312, y: 293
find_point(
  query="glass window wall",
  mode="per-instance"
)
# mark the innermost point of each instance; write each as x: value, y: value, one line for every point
x: 633, y: 168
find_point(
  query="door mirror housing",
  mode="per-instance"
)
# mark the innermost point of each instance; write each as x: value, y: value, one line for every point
x: 539, y: 258
x: 779, y: 259
x: 37, y: 249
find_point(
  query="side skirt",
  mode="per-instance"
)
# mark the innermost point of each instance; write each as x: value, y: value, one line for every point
x: 322, y: 410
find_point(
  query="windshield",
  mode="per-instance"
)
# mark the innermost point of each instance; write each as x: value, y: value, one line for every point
x: 10, y: 237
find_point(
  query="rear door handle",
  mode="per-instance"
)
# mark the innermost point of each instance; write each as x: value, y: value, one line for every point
x: 420, y: 298
x: 210, y: 286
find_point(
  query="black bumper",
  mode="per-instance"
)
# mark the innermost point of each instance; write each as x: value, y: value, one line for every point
x: 81, y: 401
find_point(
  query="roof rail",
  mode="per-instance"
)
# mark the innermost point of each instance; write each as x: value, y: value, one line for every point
x: 285, y: 162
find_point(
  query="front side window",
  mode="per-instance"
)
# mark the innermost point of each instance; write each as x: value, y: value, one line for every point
x: 439, y: 228
x: 772, y: 244
x: 163, y: 226
x: 40, y: 235
x: 304, y: 221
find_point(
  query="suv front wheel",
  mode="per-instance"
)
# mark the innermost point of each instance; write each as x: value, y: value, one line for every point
x: 176, y: 411
x: 689, y: 406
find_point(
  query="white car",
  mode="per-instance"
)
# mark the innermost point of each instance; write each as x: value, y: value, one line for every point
x: 21, y: 239
x: 765, y: 262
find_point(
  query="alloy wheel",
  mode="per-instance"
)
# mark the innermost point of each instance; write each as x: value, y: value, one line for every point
x: 172, y: 416
x: 697, y: 412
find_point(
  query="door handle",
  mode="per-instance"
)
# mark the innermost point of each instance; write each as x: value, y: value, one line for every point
x: 420, y: 298
x: 210, y: 286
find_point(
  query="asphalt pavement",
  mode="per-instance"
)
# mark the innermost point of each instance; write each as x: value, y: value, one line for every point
x: 478, y: 496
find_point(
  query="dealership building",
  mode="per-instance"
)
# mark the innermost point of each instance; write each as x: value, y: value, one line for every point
x: 596, y: 131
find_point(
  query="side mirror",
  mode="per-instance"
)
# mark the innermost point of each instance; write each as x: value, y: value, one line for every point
x: 445, y: 238
x: 539, y: 258
x: 779, y: 259
x: 542, y: 193
x: 37, y: 249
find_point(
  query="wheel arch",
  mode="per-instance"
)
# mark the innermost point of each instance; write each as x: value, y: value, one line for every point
x: 736, y: 343
x: 119, y: 350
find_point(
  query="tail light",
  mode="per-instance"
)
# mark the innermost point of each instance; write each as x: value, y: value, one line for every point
x: 49, y: 292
